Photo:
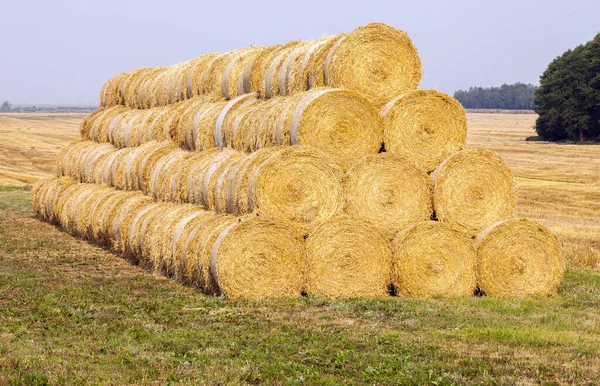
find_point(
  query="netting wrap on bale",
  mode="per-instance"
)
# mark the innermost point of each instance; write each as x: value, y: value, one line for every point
x: 432, y: 259
x: 518, y: 257
x: 425, y: 125
x: 473, y: 189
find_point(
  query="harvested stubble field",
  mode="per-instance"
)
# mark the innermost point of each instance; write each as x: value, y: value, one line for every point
x: 72, y: 313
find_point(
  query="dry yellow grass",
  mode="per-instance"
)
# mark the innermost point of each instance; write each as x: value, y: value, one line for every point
x: 30, y: 144
x: 558, y: 184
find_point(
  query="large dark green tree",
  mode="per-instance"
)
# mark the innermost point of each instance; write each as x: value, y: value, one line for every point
x: 568, y: 99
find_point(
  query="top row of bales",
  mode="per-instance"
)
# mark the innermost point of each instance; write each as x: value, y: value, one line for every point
x: 376, y: 61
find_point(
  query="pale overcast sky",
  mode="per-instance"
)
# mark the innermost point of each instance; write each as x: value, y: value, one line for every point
x: 61, y: 51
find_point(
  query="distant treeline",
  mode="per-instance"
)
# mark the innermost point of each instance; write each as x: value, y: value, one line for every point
x: 518, y: 96
x: 6, y: 107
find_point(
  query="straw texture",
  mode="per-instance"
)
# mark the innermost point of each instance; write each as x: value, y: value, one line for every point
x: 432, y: 259
x: 473, y: 189
x: 346, y: 258
x: 518, y: 257
x: 389, y: 191
x: 425, y: 125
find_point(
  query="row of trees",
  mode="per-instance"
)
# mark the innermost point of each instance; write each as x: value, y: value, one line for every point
x: 518, y: 96
x: 568, y: 99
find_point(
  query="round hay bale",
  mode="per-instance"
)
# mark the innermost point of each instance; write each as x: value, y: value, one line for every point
x: 288, y: 65
x: 64, y: 161
x: 85, y: 211
x: 425, y: 125
x: 240, y: 176
x: 131, y: 206
x: 389, y: 191
x: 258, y: 258
x: 298, y: 184
x: 161, y: 238
x: 145, y: 164
x: 205, y: 137
x: 131, y: 231
x: 199, y: 178
x: 211, y: 78
x: 339, y: 122
x: 433, y: 259
x: 298, y: 72
x: 519, y: 258
x: 100, y: 125
x: 39, y: 190
x: 110, y: 95
x: 473, y: 189
x: 375, y: 60
x: 232, y: 80
x: 278, y: 66
x: 195, y: 71
x: 86, y: 123
x: 183, y: 235
x: 200, y: 242
x: 214, y: 192
x: 233, y: 122
x: 315, y: 70
x: 190, y: 182
x: 227, y: 111
x: 50, y: 198
x: 107, y: 225
x: 264, y: 67
x: 145, y: 91
x: 347, y: 258
x: 161, y: 182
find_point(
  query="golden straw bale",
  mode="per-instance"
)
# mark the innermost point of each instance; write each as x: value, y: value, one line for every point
x: 425, y: 125
x: 161, y: 236
x: 205, y: 137
x: 258, y: 258
x: 199, y: 251
x: 298, y: 184
x: 86, y: 209
x: 63, y: 163
x: 347, y: 258
x: 194, y: 73
x: 232, y: 80
x: 105, y: 220
x: 375, y: 60
x: 180, y: 251
x: 277, y: 66
x: 316, y: 63
x: 99, y: 126
x: 86, y: 123
x: 267, y: 59
x: 339, y: 122
x: 518, y: 257
x: 149, y: 229
x: 161, y: 186
x: 289, y: 62
x: 229, y: 110
x: 199, y: 177
x: 145, y: 163
x: 299, y: 69
x: 389, y: 191
x: 433, y: 259
x: 110, y: 93
x: 240, y: 176
x: 191, y: 181
x: 131, y: 228
x: 144, y: 97
x: 473, y: 189
x: 130, y: 206
x: 214, y: 186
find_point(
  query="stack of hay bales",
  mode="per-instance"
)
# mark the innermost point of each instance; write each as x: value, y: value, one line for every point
x: 312, y: 167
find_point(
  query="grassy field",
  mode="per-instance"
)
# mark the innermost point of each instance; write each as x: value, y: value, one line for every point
x: 72, y: 313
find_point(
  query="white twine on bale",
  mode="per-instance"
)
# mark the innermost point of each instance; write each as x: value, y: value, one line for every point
x: 127, y: 130
x: 218, y: 133
x: 230, y: 194
x: 191, y: 144
x: 227, y: 73
x: 254, y: 178
x: 179, y: 229
x: 164, y: 163
x: 106, y: 173
x: 135, y: 220
x: 280, y: 123
x: 299, y: 112
x: 330, y: 57
x: 215, y: 249
x: 91, y: 159
x: 270, y: 75
x: 217, y: 162
x: 284, y: 73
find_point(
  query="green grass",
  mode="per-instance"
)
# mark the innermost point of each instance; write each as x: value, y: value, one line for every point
x: 72, y: 313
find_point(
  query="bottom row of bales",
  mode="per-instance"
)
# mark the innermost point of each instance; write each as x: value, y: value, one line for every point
x: 256, y: 257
